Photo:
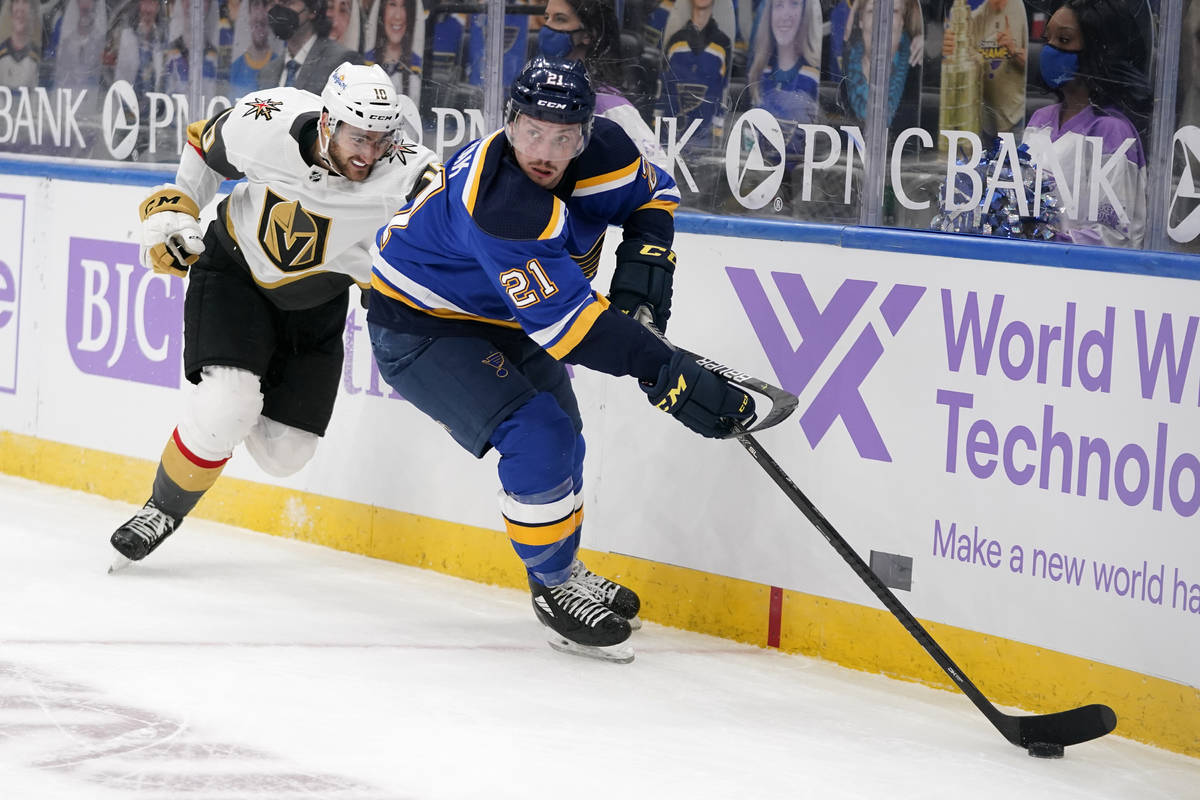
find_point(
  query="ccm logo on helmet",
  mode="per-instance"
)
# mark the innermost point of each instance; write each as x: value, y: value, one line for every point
x: 549, y: 104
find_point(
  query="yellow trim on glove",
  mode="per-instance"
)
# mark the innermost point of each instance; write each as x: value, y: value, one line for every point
x: 169, y: 198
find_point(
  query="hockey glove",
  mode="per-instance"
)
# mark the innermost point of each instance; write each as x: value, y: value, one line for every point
x: 643, y: 279
x: 701, y: 400
x: 171, y: 236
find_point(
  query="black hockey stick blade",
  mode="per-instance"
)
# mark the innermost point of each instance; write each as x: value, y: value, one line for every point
x: 1062, y: 728
x: 1065, y: 728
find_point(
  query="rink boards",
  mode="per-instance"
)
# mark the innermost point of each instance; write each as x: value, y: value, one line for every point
x: 1018, y: 444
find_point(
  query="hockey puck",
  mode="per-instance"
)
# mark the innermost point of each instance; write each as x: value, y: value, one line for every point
x: 1045, y: 749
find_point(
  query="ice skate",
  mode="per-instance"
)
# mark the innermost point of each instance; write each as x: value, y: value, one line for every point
x: 141, y: 535
x: 580, y: 624
x: 621, y: 600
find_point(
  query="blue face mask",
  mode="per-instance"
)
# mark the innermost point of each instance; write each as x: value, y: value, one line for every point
x: 556, y: 44
x: 1058, y: 66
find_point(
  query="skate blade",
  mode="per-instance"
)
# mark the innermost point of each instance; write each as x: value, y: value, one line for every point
x: 119, y: 563
x: 616, y: 653
x: 635, y: 623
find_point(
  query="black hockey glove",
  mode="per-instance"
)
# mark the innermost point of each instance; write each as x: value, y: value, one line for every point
x: 701, y: 400
x: 643, y: 278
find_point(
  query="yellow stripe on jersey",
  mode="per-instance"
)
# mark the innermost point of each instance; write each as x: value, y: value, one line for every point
x: 471, y: 192
x: 229, y: 224
x: 678, y: 47
x: 589, y: 262
x: 381, y: 286
x: 195, y: 134
x: 579, y: 328
x: 668, y: 206
x: 549, y: 533
x: 558, y: 216
x: 607, y: 181
x: 435, y: 184
x: 719, y: 52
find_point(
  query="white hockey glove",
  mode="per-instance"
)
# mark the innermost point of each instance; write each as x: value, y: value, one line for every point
x: 171, y: 235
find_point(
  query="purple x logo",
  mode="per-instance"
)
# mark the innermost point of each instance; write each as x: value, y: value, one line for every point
x: 820, y: 330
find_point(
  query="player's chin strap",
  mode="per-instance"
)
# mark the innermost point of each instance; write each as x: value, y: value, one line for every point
x: 783, y: 403
x: 323, y: 141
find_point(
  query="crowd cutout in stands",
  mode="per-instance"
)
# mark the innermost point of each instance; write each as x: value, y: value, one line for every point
x: 676, y: 75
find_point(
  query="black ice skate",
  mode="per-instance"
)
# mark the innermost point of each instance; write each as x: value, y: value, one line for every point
x: 621, y: 600
x: 141, y: 535
x: 579, y: 623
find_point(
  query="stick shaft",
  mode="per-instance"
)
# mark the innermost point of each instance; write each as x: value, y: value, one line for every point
x: 864, y: 572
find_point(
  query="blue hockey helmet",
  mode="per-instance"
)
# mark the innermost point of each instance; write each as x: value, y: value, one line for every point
x: 554, y: 91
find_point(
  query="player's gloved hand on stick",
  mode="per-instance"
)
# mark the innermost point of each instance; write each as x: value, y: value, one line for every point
x: 643, y: 279
x: 701, y: 400
x: 171, y: 235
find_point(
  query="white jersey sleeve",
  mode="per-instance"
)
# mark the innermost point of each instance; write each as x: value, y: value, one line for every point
x: 289, y: 217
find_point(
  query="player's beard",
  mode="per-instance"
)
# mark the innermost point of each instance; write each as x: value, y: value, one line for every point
x: 351, y: 167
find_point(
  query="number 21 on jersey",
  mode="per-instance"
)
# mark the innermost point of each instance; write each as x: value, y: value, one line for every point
x: 523, y: 291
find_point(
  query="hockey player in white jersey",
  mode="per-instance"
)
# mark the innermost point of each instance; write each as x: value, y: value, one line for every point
x: 268, y: 287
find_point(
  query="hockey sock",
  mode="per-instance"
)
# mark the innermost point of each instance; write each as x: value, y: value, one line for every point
x: 183, y: 477
x: 540, y: 450
x: 577, y: 481
x: 544, y: 535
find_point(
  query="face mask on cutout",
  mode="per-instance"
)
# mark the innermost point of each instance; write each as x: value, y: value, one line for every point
x: 1058, y: 66
x: 283, y: 21
x: 556, y: 44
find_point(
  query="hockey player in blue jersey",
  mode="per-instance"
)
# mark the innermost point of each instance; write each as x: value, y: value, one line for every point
x: 482, y: 292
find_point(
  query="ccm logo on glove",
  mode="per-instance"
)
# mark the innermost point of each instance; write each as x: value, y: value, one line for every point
x: 703, y: 401
x: 643, y: 280
x: 169, y: 201
x: 654, y: 251
x: 171, y: 237
x: 668, y: 402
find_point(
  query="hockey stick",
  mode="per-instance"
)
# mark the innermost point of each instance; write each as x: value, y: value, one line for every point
x: 783, y: 403
x: 1043, y: 735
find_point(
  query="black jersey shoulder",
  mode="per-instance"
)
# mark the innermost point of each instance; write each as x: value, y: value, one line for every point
x: 609, y: 150
x: 505, y: 203
x: 211, y: 146
x: 696, y: 39
x: 304, y: 132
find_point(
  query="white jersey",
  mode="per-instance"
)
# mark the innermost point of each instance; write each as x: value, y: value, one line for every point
x: 299, y: 227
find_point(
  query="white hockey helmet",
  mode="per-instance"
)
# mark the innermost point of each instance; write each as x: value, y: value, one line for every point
x: 361, y: 96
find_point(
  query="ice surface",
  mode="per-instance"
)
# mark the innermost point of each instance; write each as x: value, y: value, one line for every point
x: 232, y: 665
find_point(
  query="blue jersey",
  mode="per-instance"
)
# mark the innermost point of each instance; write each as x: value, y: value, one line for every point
x: 697, y: 76
x: 483, y: 250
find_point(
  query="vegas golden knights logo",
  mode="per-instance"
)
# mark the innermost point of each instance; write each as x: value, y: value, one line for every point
x: 292, y: 237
